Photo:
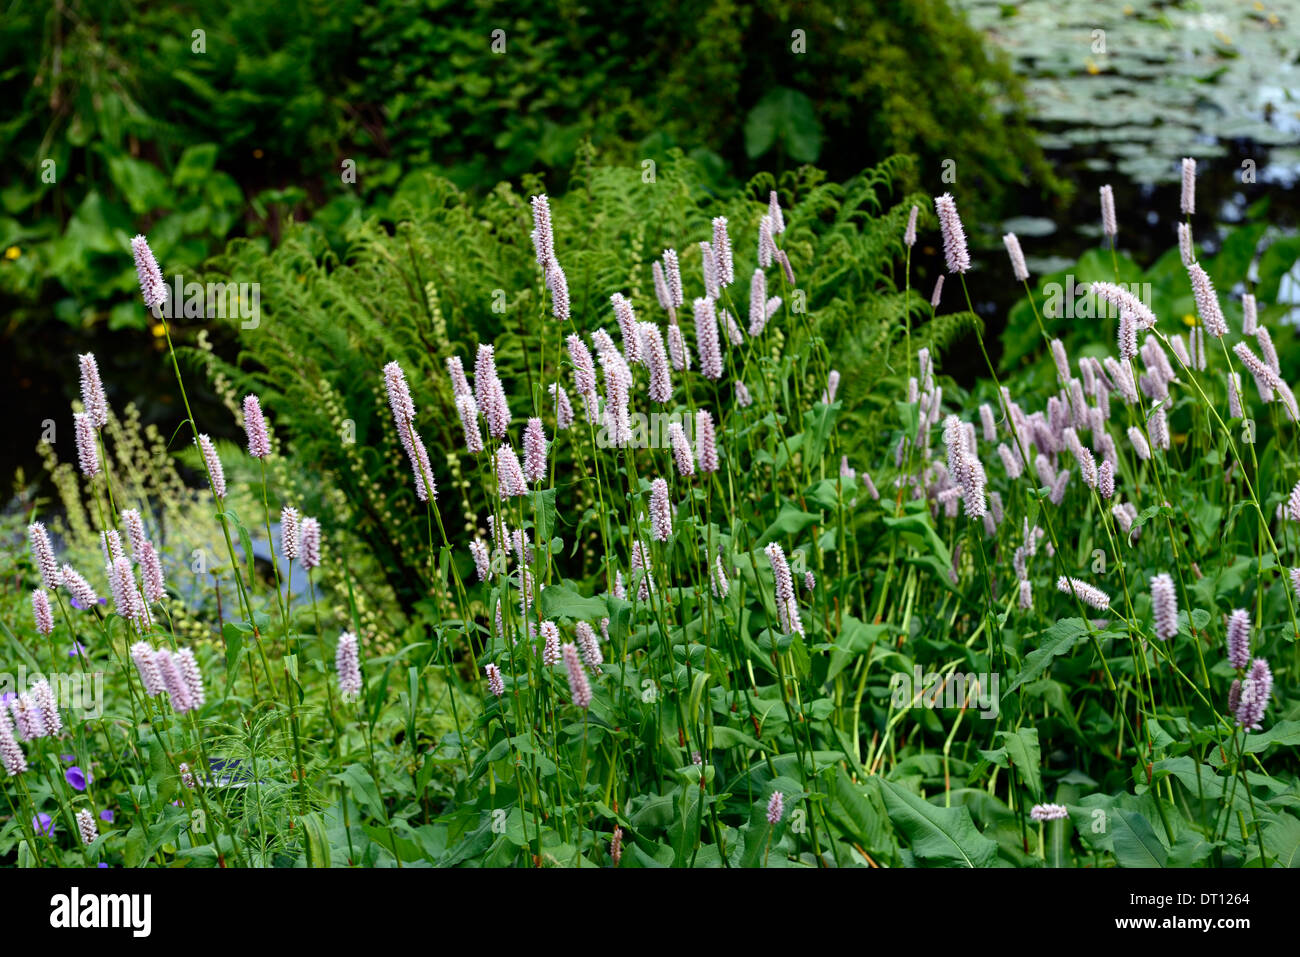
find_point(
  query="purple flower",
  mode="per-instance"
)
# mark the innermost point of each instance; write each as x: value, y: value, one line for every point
x: 153, y: 289
x: 78, y: 649
x: 43, y: 552
x: 43, y: 824
x: 106, y: 816
x: 215, y: 471
x: 87, y: 452
x: 534, y: 451
x: 76, y: 778
x: 775, y: 807
x: 259, y: 439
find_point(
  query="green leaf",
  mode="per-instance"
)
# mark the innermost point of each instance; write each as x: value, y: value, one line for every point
x: 1282, y: 840
x: 543, y: 514
x: 362, y: 788
x: 1286, y: 733
x: 318, y: 845
x: 1135, y: 842
x: 787, y: 117
x: 1023, y: 751
x: 1058, y: 640
x: 789, y: 521
x: 939, y: 836
x: 557, y: 601
x: 856, y: 637
x: 195, y: 165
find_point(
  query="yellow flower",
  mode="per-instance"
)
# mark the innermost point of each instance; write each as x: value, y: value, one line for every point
x: 1189, y: 320
x: 13, y: 252
x: 159, y: 330
x: 1091, y: 66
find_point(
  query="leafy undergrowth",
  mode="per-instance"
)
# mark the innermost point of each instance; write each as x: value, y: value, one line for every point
x: 711, y: 609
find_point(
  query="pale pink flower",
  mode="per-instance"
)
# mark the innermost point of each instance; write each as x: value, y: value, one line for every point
x: 1018, y: 266
x: 706, y: 339
x: 673, y: 276
x: 706, y: 446
x: 496, y: 685
x: 143, y: 656
x: 289, y: 535
x: 774, y: 213
x: 1086, y: 593
x: 310, y: 543
x: 681, y: 356
x: 709, y: 265
x: 510, y: 475
x: 456, y: 371
x: 775, y: 808
x: 93, y: 400
x: 216, y: 473
x: 126, y: 599
x: 347, y: 662
x: 79, y: 588
x: 757, y: 303
x: 722, y: 252
x: 1188, y: 201
x: 41, y: 613
x: 937, y: 295
x: 682, y: 454
x: 1207, y: 302
x: 490, y: 394
x: 259, y: 439
x: 43, y: 553
x: 627, y: 325
x: 1238, y: 634
x: 954, y: 236
x: 909, y: 234
x: 87, y: 450
x: 579, y: 686
x: 661, y: 511
x: 155, y: 587
x: 1164, y: 606
x: 153, y: 289
x: 1109, y: 224
x: 534, y: 451
x: 550, y: 643
x: 86, y: 826
x: 656, y: 357
x: 467, y: 408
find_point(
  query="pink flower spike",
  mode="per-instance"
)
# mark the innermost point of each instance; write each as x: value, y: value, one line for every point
x: 579, y: 686
x: 43, y: 553
x: 310, y: 543
x: 153, y: 289
x: 534, y: 451
x: 259, y: 439
x: 93, y: 400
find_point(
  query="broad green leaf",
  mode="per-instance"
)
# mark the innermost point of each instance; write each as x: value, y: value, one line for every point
x: 939, y: 836
x: 1135, y: 842
x: 1022, y: 749
x: 558, y: 601
x: 1058, y: 640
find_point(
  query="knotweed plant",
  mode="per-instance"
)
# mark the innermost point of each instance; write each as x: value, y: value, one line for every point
x: 700, y: 602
